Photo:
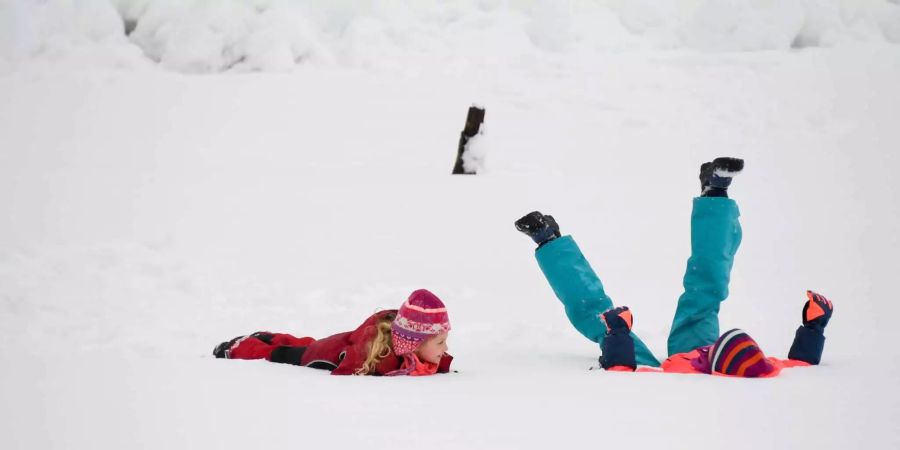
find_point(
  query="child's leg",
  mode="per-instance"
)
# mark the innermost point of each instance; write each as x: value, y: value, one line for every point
x: 581, y: 292
x: 259, y: 345
x: 287, y: 340
x: 715, y: 238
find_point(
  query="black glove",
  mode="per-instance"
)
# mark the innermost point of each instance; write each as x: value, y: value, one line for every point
x: 221, y: 350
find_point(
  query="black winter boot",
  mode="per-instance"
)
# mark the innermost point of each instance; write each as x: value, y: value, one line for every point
x: 715, y: 176
x: 222, y: 350
x: 540, y: 228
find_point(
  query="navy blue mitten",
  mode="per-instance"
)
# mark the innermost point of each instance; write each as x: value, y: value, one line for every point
x: 809, y: 341
x: 618, y: 345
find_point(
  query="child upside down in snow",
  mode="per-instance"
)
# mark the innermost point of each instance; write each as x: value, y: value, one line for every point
x: 408, y: 341
x: 694, y: 343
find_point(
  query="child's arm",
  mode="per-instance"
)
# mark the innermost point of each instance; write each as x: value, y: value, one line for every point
x: 809, y: 341
x: 618, y: 346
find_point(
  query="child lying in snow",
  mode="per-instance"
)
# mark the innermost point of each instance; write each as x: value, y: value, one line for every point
x: 735, y: 353
x: 694, y: 343
x: 408, y: 341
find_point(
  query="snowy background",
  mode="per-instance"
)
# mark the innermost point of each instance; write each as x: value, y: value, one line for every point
x: 176, y: 173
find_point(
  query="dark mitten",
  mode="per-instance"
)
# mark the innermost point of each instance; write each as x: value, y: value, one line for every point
x: 444, y: 363
x: 817, y: 310
x: 617, y: 320
x: 618, y: 345
x: 809, y: 341
x: 540, y: 228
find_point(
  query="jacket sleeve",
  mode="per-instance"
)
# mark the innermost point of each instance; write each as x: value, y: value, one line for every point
x: 808, y: 345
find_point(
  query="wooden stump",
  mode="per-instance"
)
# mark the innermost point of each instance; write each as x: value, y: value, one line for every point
x: 474, y: 119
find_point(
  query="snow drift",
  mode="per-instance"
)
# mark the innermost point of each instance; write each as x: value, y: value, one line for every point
x: 276, y: 35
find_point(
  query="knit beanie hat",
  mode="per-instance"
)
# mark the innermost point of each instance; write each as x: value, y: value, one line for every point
x: 422, y: 315
x: 736, y: 353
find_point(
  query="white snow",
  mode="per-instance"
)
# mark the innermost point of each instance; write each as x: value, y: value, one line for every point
x: 151, y: 212
x: 475, y: 155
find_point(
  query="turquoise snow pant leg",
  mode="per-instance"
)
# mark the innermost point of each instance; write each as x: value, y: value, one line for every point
x: 715, y: 237
x: 581, y: 293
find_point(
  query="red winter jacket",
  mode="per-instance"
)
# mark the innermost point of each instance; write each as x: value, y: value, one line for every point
x: 342, y: 353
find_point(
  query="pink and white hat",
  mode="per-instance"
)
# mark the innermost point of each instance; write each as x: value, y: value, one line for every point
x: 422, y: 316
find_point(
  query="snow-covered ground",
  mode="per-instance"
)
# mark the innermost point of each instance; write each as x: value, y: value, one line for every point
x: 151, y: 212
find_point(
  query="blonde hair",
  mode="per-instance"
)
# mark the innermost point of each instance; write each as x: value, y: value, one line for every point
x: 380, y: 347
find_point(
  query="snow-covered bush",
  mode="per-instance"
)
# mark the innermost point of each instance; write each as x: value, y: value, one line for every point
x: 277, y: 35
x: 746, y: 25
x: 214, y: 36
x: 91, y: 30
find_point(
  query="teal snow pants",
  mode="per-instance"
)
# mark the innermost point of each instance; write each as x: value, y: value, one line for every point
x: 715, y: 237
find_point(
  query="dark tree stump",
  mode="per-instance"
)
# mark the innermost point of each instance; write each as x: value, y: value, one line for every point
x: 474, y: 119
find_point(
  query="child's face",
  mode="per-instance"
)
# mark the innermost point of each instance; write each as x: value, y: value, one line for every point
x: 433, y: 349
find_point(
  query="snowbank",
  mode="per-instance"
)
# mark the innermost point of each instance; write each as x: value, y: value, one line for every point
x: 747, y: 25
x: 88, y: 32
x: 276, y: 35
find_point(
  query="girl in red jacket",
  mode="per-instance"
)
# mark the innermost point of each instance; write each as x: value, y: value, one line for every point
x: 408, y: 341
